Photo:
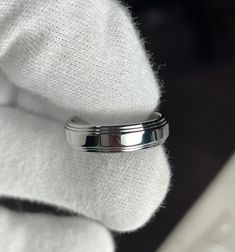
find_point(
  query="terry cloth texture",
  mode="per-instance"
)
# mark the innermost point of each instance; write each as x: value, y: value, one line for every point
x: 44, y: 233
x: 76, y: 57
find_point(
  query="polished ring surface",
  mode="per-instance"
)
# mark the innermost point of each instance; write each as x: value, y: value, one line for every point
x: 117, y: 138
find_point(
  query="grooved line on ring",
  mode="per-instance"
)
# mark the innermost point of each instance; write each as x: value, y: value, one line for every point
x: 119, y: 129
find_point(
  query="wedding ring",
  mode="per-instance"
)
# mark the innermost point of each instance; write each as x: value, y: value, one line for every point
x: 117, y: 138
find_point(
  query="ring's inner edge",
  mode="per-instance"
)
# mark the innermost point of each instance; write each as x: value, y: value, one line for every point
x: 156, y: 121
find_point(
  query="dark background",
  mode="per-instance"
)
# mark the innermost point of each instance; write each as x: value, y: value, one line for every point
x: 192, y: 44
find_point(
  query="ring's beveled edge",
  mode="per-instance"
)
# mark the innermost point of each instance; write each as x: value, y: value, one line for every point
x: 73, y: 125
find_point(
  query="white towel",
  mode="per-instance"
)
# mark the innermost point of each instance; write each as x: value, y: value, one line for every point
x: 45, y: 233
x: 76, y: 57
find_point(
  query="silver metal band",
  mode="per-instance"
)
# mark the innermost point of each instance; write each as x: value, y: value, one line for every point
x: 118, y: 138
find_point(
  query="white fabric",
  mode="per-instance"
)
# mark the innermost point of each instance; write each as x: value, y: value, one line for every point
x: 82, y: 55
x: 121, y: 190
x: 60, y: 58
x: 45, y: 233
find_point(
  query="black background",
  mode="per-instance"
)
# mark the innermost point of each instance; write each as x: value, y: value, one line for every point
x: 192, y: 44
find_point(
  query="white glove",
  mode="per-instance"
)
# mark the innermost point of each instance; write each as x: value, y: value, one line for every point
x: 74, y: 57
